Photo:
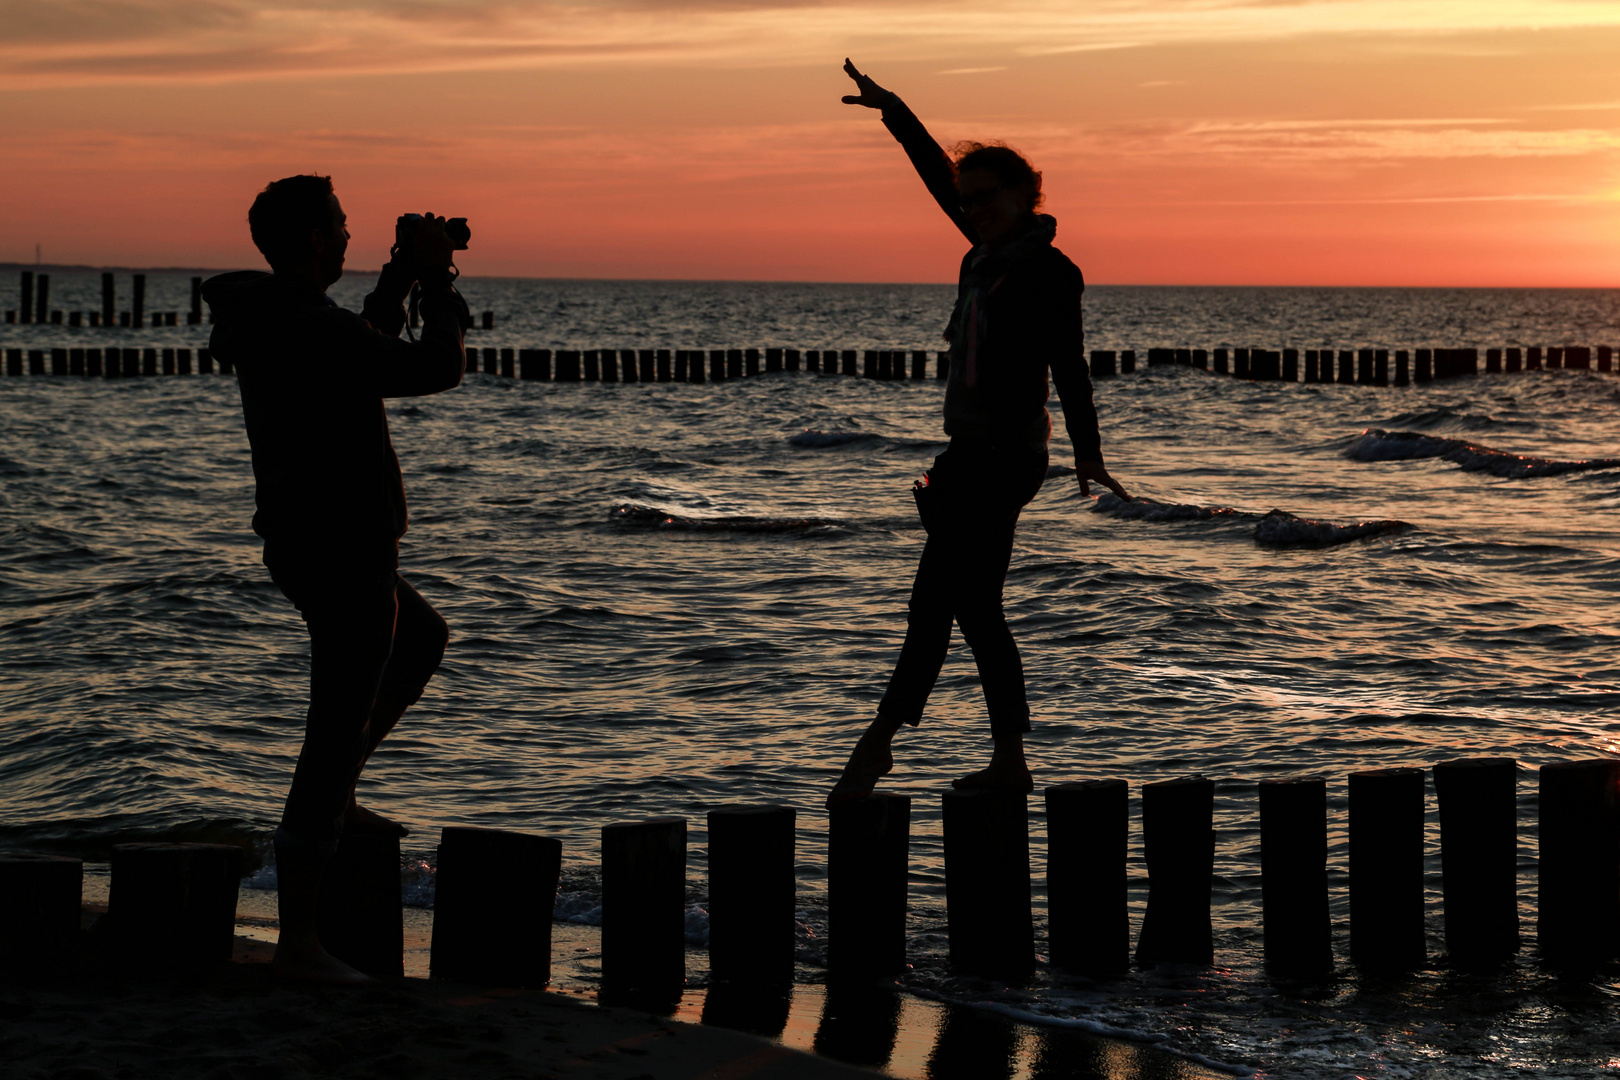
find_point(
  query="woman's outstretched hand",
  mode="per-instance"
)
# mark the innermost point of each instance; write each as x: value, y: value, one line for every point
x: 871, y: 94
x: 1087, y: 471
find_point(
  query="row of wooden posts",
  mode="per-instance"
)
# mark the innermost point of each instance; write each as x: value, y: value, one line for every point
x: 1367, y: 367
x: 494, y: 889
x: 35, y: 306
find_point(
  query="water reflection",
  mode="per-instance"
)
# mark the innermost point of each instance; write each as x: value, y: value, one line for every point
x: 858, y: 1025
x: 759, y: 1010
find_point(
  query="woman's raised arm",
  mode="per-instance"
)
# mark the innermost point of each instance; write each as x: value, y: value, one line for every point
x: 930, y: 161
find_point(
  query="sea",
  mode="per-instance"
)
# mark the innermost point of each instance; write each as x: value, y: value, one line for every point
x: 665, y: 598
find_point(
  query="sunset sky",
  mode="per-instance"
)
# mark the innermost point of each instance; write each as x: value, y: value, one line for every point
x: 1358, y: 142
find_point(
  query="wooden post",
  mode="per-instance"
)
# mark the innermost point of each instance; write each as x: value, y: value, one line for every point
x: 568, y: 363
x: 42, y: 310
x: 1513, y: 362
x: 25, y: 306
x: 717, y: 365
x: 1605, y: 358
x: 1364, y: 366
x: 734, y: 363
x: 489, y: 320
x: 529, y: 364
x: 1184, y: 358
x: 1087, y: 837
x: 1422, y: 366
x: 360, y: 918
x: 1466, y: 361
x: 610, y: 365
x: 36, y: 361
x: 109, y: 301
x: 1386, y: 869
x: 790, y: 359
x: 1293, y: 875
x: 491, y: 361
x: 1578, y: 357
x: 869, y: 369
x: 1310, y: 366
x: 682, y: 374
x: 646, y: 364
x: 1268, y: 362
x: 137, y: 304
x: 1220, y: 365
x: 174, y: 905
x: 773, y: 361
x: 751, y: 362
x: 75, y: 318
x: 183, y: 361
x: 1380, y: 367
x: 1478, y: 838
x: 1402, y: 368
x: 1102, y: 363
x: 1290, y: 365
x: 168, y: 362
x: 1532, y: 358
x: 752, y: 903
x: 493, y: 896
x: 1160, y: 357
x: 987, y: 895
x: 868, y: 849
x: 644, y: 905
x: 919, y: 364
x: 664, y: 371
x: 1578, y: 909
x: 1178, y: 840
x: 508, y: 363
x: 942, y: 365
x: 92, y: 363
x: 849, y: 363
x: 1493, y: 361
x: 39, y: 906
x: 194, y: 316
x: 812, y: 361
x: 1240, y: 364
x: 1555, y: 357
x: 59, y: 361
x: 14, y: 362
x: 1347, y: 366
x: 593, y: 365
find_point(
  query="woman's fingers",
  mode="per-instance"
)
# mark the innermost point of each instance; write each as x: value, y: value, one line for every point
x: 851, y: 99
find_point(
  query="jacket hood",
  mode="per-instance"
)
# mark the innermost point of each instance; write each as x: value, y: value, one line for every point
x: 245, y: 300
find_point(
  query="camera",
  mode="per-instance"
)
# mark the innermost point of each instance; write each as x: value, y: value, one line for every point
x: 407, y: 224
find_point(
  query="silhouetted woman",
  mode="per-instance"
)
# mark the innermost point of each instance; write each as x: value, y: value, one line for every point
x: 1017, y: 317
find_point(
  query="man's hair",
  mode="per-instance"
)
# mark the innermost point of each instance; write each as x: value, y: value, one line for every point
x: 285, y: 212
x: 1008, y: 165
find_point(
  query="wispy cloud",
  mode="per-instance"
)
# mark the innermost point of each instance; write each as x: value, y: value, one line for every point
x: 971, y: 70
x: 50, y: 42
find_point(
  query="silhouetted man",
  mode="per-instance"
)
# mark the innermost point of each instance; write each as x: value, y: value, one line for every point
x: 331, y: 504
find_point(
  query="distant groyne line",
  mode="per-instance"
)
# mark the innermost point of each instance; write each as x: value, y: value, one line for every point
x: 1355, y: 367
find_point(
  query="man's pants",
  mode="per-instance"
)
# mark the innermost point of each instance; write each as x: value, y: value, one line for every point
x: 374, y: 644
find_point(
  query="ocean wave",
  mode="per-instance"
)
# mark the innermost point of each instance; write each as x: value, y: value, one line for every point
x: 1277, y: 528
x: 1143, y: 508
x: 638, y: 516
x: 1445, y: 418
x: 1282, y: 529
x: 1376, y: 444
x: 812, y: 439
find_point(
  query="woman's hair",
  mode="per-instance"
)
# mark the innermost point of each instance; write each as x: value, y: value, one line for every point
x: 1008, y: 165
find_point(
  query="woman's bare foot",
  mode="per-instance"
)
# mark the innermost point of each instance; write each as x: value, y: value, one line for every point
x: 869, y: 762
x: 1007, y: 771
x: 308, y: 962
x: 358, y: 819
x: 997, y: 778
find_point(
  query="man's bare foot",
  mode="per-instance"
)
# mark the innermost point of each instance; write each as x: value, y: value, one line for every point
x: 306, y: 964
x: 358, y: 819
x: 997, y: 777
x: 870, y: 761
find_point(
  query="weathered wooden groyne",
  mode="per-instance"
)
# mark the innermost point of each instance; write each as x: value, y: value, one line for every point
x: 1361, y: 367
x: 175, y: 903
